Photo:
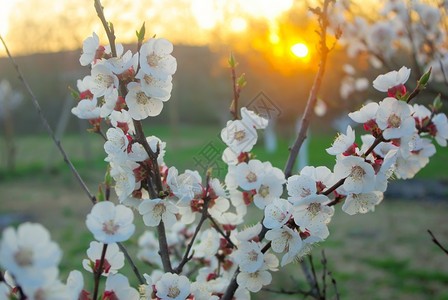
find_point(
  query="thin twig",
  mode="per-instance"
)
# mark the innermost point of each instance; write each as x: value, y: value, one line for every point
x: 47, y: 126
x: 437, y: 242
x: 316, y: 289
x: 98, y: 272
x: 324, y: 273
x: 186, y: 257
x: 134, y: 267
x: 216, y: 226
x: 333, y: 281
x: 445, y: 77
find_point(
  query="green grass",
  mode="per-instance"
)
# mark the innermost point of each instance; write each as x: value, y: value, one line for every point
x: 184, y: 145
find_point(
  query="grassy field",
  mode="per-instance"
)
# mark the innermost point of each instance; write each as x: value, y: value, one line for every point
x: 382, y: 255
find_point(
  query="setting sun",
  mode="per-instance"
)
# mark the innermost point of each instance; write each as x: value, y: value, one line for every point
x: 299, y: 50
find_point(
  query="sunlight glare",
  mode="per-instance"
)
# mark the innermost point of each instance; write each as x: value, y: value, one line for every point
x: 266, y: 8
x: 238, y: 24
x: 273, y: 38
x: 299, y: 50
x: 205, y: 13
x: 6, y: 7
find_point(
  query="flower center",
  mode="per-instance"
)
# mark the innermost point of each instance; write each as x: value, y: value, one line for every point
x: 107, y: 80
x: 240, y: 135
x: 394, y: 121
x: 159, y: 209
x: 153, y: 59
x: 252, y: 255
x: 173, y: 292
x: 357, y: 173
x: 314, y: 209
x: 264, y: 190
x: 251, y: 177
x: 305, y: 192
x: 24, y: 257
x: 142, y: 98
x: 110, y: 227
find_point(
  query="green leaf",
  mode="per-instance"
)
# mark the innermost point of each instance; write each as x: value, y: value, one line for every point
x: 107, y: 177
x: 232, y: 62
x: 424, y: 79
x: 141, y: 33
x: 437, y: 103
x: 242, y: 80
x: 100, y: 194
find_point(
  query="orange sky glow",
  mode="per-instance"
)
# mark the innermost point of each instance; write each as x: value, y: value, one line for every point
x: 270, y: 27
x: 62, y: 25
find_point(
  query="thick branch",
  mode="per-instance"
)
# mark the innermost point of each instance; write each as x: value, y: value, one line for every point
x: 163, y: 248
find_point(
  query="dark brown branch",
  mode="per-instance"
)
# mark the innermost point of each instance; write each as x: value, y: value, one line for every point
x: 97, y: 273
x: 437, y: 242
x: 377, y: 141
x: 47, y: 126
x: 334, y: 187
x: 163, y: 248
x: 131, y: 262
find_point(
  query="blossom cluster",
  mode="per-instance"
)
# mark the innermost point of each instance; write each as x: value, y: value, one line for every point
x: 197, y: 214
x: 402, y: 28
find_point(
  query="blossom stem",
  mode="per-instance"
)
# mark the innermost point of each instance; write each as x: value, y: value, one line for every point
x: 131, y: 262
x: 47, y: 126
x: 98, y: 272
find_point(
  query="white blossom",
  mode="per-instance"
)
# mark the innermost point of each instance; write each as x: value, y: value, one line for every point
x: 110, y: 223
x: 239, y: 136
x: 113, y: 260
x: 173, y: 287
x: 141, y: 105
x: 117, y: 287
x: 156, y: 210
x: 386, y: 81
x: 29, y: 254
